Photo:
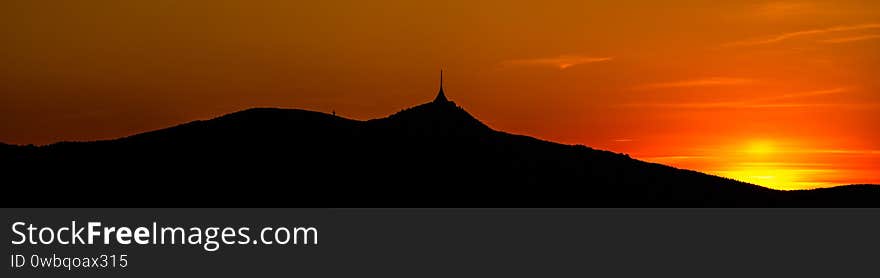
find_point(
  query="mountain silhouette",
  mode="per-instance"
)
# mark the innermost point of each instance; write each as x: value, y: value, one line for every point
x: 431, y: 155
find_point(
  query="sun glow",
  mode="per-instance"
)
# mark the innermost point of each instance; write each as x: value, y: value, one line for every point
x: 771, y: 163
x: 776, y: 175
x: 759, y: 148
x: 779, y: 163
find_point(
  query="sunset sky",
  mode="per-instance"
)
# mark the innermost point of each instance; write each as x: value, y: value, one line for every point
x: 784, y: 94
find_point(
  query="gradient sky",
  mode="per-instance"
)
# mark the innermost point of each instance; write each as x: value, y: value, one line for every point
x: 784, y: 94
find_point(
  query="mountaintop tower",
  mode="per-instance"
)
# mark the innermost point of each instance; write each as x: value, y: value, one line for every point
x: 441, y: 97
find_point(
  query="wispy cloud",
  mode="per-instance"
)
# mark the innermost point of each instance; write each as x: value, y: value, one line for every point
x: 851, y: 39
x: 804, y: 94
x: 804, y: 33
x: 844, y: 151
x: 765, y: 102
x: 561, y: 62
x: 665, y: 158
x: 704, y: 82
x: 784, y: 8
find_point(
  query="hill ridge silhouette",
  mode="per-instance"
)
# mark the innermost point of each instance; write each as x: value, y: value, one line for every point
x: 432, y: 151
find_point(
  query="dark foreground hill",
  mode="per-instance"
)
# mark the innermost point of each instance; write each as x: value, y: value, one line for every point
x: 431, y: 155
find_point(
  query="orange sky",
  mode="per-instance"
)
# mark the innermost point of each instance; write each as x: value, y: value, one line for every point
x: 780, y: 93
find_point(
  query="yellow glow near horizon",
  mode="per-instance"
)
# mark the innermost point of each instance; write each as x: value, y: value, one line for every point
x: 776, y: 163
x: 776, y: 176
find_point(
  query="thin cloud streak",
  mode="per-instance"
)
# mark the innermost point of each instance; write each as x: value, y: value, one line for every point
x: 851, y: 39
x: 712, y: 81
x: 674, y: 157
x: 741, y: 105
x: 787, y: 36
x: 806, y: 94
x: 760, y: 102
x: 785, y: 8
x: 842, y: 151
x: 561, y: 62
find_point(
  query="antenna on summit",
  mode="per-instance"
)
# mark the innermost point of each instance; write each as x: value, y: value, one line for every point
x: 441, y: 97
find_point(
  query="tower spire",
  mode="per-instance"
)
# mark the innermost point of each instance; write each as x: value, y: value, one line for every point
x: 441, y: 97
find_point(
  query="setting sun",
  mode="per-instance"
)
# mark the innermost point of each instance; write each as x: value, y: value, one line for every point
x: 781, y: 176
